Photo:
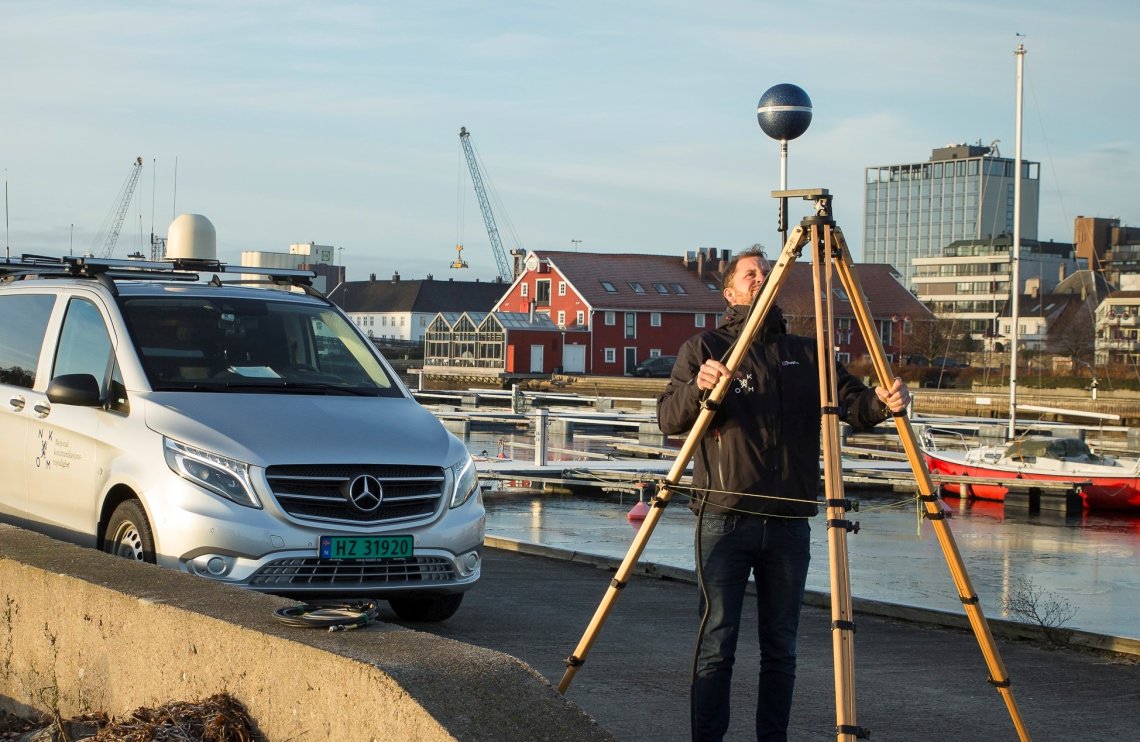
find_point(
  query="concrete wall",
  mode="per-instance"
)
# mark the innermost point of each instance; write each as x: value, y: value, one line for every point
x: 100, y: 633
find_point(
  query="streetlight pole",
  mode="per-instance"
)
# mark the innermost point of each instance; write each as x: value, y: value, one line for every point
x: 896, y: 320
x: 901, y: 322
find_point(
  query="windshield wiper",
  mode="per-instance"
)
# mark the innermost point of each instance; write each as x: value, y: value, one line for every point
x: 280, y: 386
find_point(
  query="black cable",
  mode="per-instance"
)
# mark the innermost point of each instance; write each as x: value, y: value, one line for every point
x: 697, y: 557
x: 704, y: 591
x: 333, y: 615
x: 704, y: 612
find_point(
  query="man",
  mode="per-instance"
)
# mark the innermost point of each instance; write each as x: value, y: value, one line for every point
x: 756, y: 483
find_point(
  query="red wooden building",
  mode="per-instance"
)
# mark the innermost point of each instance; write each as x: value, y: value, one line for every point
x: 632, y: 306
x: 601, y: 313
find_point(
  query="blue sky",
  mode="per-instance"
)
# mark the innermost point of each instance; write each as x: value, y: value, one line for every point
x: 629, y: 126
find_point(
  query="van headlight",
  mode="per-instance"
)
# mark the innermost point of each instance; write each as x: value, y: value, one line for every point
x: 464, y: 481
x: 221, y: 475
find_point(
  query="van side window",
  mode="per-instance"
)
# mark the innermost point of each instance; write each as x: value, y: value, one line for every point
x: 84, y: 345
x: 22, y: 336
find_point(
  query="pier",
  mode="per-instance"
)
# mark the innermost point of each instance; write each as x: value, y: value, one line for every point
x: 572, y: 443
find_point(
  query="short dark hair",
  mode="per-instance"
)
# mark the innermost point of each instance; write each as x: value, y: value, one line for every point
x: 756, y: 251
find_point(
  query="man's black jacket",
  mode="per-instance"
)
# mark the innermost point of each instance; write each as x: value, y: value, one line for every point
x: 765, y: 438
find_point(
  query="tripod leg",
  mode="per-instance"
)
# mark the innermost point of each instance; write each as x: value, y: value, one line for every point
x: 842, y: 620
x: 763, y: 304
x: 998, y: 676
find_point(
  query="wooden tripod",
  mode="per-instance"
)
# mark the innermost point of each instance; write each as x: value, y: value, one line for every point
x: 830, y: 253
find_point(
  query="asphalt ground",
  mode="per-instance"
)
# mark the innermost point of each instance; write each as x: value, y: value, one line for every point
x: 913, y: 681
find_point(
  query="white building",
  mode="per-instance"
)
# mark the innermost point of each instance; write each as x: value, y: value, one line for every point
x: 969, y: 281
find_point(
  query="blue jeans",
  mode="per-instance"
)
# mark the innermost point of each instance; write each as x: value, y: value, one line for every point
x: 777, y: 552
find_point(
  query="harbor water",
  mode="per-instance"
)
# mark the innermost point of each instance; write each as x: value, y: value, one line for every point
x: 1082, y: 567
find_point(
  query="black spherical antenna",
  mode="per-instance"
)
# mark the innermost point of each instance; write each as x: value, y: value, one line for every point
x: 784, y: 111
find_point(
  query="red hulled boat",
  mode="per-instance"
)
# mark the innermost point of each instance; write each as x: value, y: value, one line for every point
x: 1103, y: 482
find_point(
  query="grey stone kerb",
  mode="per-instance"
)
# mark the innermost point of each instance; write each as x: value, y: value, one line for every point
x: 100, y: 633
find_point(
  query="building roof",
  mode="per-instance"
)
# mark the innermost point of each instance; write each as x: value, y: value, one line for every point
x: 701, y: 292
x: 1085, y: 283
x: 427, y: 295
x: 668, y: 282
x: 881, y: 284
x: 509, y: 321
x: 525, y: 321
x: 1050, y: 306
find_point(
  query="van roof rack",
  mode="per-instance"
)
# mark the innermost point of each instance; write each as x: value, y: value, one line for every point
x: 177, y: 269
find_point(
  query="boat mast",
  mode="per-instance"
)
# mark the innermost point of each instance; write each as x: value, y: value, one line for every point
x: 1015, y: 261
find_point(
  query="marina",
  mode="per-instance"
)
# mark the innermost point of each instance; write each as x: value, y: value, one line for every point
x: 580, y: 498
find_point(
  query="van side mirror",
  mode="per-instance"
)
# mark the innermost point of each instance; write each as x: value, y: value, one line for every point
x: 81, y: 390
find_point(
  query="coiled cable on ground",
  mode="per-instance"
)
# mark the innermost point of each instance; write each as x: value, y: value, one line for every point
x: 333, y: 615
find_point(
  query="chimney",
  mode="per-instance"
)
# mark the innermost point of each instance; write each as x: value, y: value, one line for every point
x: 395, y: 276
x: 725, y: 255
x: 532, y: 311
x: 701, y: 263
x: 372, y: 277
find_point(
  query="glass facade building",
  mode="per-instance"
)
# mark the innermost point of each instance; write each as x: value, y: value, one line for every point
x: 969, y: 281
x: 964, y: 192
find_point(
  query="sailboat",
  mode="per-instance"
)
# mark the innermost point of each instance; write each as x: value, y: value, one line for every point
x: 1103, y: 482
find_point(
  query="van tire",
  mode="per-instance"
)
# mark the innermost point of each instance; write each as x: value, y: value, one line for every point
x: 128, y: 533
x: 430, y: 608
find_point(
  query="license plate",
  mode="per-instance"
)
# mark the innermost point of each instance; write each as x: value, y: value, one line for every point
x: 365, y: 547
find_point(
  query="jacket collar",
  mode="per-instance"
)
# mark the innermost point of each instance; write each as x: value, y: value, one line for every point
x: 737, y: 314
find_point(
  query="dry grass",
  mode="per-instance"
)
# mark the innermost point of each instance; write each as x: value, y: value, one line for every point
x: 219, y: 718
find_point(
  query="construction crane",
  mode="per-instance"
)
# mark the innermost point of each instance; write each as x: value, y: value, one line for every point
x: 119, y: 209
x: 506, y: 273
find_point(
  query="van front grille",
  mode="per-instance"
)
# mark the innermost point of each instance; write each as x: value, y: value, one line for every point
x: 310, y: 572
x: 323, y: 493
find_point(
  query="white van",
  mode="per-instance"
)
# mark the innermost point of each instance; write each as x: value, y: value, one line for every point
x: 248, y: 434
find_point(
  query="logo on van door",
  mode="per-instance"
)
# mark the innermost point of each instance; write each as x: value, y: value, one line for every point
x: 365, y: 493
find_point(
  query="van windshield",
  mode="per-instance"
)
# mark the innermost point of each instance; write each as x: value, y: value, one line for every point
x: 200, y: 343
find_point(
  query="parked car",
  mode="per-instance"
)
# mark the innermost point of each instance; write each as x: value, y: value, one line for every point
x: 945, y: 373
x: 247, y: 435
x: 655, y: 366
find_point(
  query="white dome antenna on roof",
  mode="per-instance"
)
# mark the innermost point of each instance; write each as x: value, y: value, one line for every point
x: 191, y: 237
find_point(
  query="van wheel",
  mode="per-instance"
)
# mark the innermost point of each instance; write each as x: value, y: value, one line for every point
x: 129, y: 534
x: 428, y: 608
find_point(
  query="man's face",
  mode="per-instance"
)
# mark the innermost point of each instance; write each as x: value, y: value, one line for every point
x: 747, y: 280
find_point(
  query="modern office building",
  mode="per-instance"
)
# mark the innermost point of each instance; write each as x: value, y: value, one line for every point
x: 964, y: 192
x: 969, y: 280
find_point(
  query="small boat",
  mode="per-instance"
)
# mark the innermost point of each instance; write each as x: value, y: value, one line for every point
x: 1103, y: 482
